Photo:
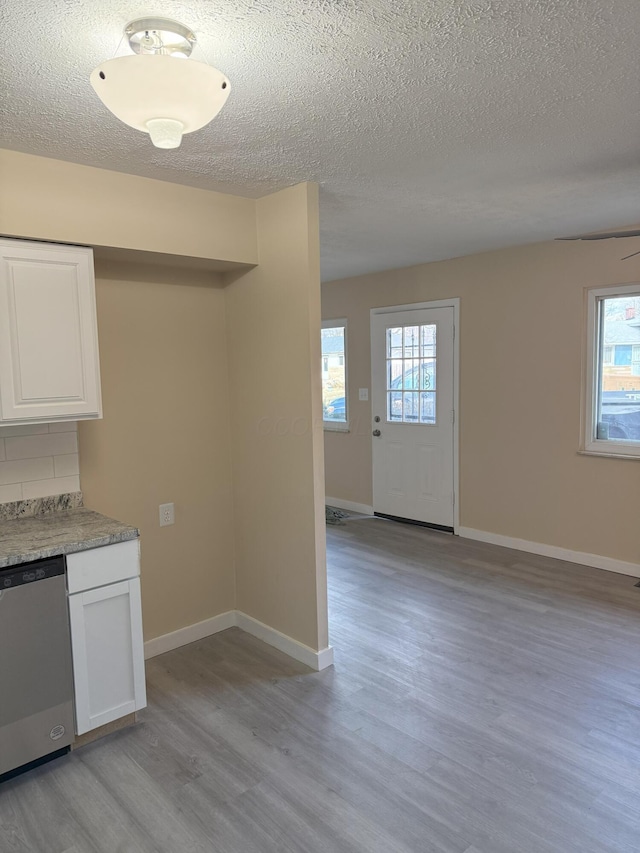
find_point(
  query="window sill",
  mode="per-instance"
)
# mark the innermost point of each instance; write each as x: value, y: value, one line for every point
x: 329, y: 427
x: 609, y: 454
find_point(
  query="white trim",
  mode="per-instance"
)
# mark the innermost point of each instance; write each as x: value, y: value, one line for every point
x: 235, y: 618
x: 189, y: 634
x: 324, y: 658
x: 608, y: 455
x: 330, y: 425
x: 454, y: 303
x: 589, y: 443
x: 417, y: 306
x: 298, y: 651
x: 365, y: 509
x: 608, y: 564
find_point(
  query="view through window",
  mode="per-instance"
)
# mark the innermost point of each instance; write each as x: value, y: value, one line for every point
x: 617, y: 392
x: 334, y: 390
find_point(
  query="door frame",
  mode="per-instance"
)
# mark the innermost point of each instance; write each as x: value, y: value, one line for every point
x: 454, y: 303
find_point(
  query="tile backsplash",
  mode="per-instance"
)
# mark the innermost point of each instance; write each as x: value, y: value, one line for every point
x: 38, y: 460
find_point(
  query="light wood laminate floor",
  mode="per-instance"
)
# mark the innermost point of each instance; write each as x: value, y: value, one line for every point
x: 483, y: 701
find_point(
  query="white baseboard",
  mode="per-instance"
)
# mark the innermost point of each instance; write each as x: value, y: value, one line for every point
x: 234, y: 618
x: 609, y: 564
x: 354, y: 507
x: 184, y: 636
x: 298, y: 651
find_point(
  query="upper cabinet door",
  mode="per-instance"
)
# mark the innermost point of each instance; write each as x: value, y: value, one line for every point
x: 49, y: 367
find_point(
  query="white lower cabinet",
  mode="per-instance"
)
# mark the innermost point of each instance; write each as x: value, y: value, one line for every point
x: 106, y: 634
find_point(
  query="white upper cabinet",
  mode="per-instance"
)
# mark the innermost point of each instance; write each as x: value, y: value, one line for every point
x: 49, y: 366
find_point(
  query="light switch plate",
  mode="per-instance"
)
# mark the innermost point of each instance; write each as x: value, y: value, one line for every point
x: 363, y: 393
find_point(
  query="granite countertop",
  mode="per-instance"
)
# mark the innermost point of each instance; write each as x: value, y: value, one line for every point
x: 25, y: 539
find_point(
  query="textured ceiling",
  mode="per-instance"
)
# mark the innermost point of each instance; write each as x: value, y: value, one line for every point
x: 435, y: 128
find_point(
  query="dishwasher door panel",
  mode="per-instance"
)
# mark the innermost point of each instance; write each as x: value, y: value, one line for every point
x: 36, y: 679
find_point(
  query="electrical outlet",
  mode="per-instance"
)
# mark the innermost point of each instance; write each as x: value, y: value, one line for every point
x: 167, y: 515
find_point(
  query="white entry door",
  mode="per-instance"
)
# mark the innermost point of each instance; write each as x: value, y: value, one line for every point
x: 412, y: 357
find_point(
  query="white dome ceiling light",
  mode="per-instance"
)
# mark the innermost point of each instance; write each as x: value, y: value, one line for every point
x: 158, y: 89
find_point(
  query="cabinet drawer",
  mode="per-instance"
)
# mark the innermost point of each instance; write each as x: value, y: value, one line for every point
x: 101, y: 566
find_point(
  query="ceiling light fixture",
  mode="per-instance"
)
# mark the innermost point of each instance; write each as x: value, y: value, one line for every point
x: 158, y: 89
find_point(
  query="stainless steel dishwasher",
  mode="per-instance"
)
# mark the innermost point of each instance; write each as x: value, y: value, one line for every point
x: 36, y: 680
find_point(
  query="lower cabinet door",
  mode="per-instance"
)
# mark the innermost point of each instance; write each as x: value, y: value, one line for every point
x: 108, y: 654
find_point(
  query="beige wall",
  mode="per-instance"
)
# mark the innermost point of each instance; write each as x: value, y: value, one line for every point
x: 165, y: 436
x: 273, y: 325
x: 521, y: 341
x: 163, y: 328
x: 48, y: 199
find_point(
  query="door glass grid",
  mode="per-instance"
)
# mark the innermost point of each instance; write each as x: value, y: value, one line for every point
x: 411, y: 374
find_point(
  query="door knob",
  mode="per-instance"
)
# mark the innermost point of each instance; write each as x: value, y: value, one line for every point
x: 376, y: 432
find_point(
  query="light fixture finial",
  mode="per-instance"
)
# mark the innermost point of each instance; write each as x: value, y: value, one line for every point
x: 165, y: 132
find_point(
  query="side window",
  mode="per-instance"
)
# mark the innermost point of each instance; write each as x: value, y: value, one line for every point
x: 334, y: 374
x: 612, y: 416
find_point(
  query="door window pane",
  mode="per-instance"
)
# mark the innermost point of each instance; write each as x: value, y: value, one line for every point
x: 428, y: 375
x: 411, y: 341
x: 410, y: 407
x: 410, y: 377
x: 428, y: 341
x: 394, y: 372
x: 427, y: 407
x: 394, y: 406
x: 411, y: 374
x: 394, y: 343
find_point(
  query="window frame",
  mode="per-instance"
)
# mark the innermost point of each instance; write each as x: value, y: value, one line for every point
x: 330, y: 425
x: 590, y: 444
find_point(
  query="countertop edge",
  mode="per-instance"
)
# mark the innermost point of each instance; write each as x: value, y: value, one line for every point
x: 57, y: 534
x: 63, y: 548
